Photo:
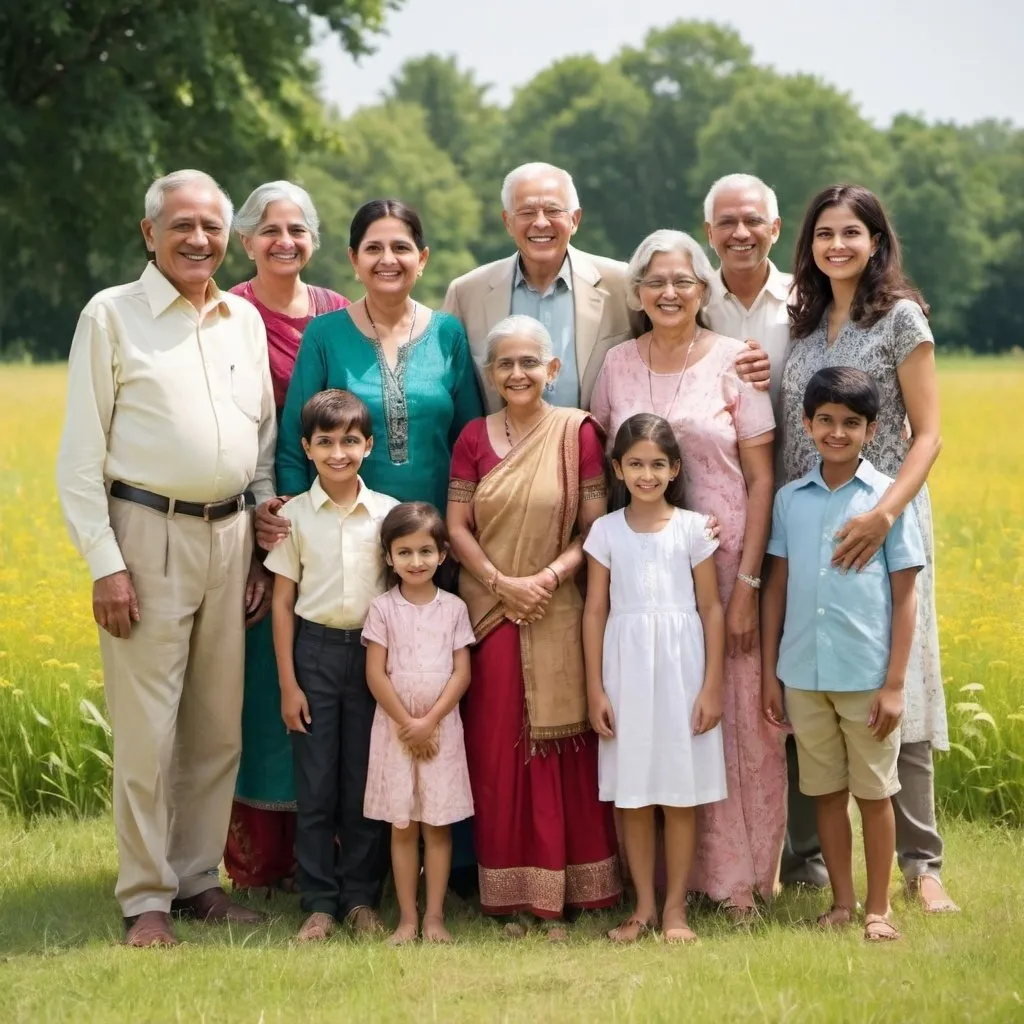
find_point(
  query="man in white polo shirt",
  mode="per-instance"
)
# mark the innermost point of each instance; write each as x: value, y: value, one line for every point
x: 749, y: 301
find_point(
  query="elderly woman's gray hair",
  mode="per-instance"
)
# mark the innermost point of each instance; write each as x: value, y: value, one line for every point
x: 668, y: 241
x: 517, y: 327
x: 251, y: 213
x: 157, y: 192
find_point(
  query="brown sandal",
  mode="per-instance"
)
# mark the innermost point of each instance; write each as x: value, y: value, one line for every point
x: 931, y: 904
x: 152, y: 928
x: 835, y: 917
x: 642, y: 928
x: 316, y: 928
x: 878, y: 928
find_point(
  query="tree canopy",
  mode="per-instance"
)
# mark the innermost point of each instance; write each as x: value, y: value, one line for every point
x: 100, y: 96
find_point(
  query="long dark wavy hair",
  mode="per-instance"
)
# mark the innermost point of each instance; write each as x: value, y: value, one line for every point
x: 883, y: 282
x: 645, y: 426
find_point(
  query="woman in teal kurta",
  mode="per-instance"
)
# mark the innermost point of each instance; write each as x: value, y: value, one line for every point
x: 418, y: 407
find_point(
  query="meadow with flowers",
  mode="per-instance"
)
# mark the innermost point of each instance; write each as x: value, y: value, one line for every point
x: 57, y: 859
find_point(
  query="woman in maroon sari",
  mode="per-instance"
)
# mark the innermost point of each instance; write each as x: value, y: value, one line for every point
x: 526, y: 483
x: 278, y: 226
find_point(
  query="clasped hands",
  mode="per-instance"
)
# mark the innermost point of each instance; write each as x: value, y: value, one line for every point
x: 525, y: 598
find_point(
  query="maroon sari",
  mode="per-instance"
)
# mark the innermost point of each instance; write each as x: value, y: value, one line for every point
x: 260, y: 844
x: 543, y: 839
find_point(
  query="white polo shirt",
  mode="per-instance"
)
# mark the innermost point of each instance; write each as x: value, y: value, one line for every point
x: 767, y: 321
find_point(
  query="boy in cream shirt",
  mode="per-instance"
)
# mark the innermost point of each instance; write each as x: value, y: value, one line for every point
x: 329, y: 568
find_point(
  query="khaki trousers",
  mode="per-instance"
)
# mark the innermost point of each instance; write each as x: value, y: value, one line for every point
x: 174, y: 693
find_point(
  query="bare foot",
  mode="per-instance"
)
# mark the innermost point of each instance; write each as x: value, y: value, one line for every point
x: 741, y: 915
x: 556, y: 932
x: 316, y: 928
x: 931, y: 895
x: 675, y: 929
x: 514, y: 930
x: 403, y: 934
x: 435, y: 931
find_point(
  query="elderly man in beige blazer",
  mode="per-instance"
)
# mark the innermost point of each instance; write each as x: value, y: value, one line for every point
x: 580, y: 298
x: 169, y: 437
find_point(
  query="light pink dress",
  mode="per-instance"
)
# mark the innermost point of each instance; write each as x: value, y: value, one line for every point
x: 420, y: 640
x: 739, y: 839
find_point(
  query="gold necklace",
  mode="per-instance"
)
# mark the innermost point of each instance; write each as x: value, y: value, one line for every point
x: 679, y: 383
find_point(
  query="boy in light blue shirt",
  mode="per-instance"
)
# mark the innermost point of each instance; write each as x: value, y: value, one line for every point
x: 840, y: 641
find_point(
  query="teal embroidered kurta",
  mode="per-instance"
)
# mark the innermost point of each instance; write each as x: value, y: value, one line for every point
x: 418, y: 409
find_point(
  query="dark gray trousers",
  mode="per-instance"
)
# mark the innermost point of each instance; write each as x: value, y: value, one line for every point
x: 343, y: 857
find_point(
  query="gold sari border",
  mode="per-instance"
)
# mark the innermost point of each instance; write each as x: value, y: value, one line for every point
x: 461, y: 490
x: 599, y: 882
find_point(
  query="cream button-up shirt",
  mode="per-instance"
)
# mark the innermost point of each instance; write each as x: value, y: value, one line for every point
x: 767, y: 321
x: 164, y: 397
x: 334, y: 555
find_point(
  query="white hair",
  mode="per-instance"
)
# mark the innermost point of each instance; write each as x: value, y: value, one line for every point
x: 518, y: 327
x: 668, y: 241
x: 740, y: 181
x: 251, y: 213
x: 533, y: 170
x: 157, y: 192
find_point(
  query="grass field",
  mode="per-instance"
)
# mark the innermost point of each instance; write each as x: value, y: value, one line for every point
x: 58, y: 920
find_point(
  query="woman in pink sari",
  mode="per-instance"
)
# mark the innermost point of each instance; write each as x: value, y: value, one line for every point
x: 278, y: 226
x: 684, y: 372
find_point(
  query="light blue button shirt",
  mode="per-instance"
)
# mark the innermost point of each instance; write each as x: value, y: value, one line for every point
x: 837, y: 628
x: 556, y: 310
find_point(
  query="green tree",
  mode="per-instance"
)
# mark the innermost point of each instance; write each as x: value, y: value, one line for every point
x: 796, y: 133
x: 688, y: 71
x: 99, y: 97
x: 388, y: 153
x: 940, y: 204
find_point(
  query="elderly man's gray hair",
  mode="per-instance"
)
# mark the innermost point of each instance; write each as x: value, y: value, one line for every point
x: 158, y: 191
x: 740, y: 181
x: 668, y: 241
x: 517, y: 327
x: 533, y: 170
x: 251, y: 213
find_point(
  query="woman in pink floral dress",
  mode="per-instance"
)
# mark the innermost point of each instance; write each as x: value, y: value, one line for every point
x: 684, y: 372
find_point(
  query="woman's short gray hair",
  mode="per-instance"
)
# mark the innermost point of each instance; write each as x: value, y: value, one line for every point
x: 251, y: 213
x: 157, y: 192
x: 534, y: 170
x: 517, y: 327
x: 666, y: 240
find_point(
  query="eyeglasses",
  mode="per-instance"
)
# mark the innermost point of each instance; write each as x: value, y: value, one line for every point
x: 680, y: 284
x: 531, y: 213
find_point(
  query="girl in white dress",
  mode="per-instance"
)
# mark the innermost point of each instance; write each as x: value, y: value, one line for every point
x: 654, y: 645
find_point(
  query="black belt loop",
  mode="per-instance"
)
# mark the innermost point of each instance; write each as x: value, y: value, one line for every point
x: 209, y: 511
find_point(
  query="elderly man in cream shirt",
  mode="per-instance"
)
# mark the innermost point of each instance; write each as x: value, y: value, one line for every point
x: 749, y: 297
x: 169, y: 436
x: 579, y: 298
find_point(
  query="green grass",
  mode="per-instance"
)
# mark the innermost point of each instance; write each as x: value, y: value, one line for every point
x: 59, y: 960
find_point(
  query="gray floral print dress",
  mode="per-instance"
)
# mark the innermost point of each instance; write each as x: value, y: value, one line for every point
x: 878, y: 350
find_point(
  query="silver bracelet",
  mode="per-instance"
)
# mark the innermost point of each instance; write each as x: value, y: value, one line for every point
x: 754, y: 582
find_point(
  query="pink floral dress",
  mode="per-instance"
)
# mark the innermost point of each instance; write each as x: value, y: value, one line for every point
x: 739, y: 839
x: 420, y: 640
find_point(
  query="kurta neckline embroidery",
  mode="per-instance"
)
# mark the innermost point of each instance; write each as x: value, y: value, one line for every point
x: 392, y: 384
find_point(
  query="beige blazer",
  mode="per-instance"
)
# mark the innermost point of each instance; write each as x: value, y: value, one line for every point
x: 484, y: 296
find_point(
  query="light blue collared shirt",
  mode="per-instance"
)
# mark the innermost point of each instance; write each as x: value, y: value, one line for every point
x: 837, y: 629
x: 556, y: 310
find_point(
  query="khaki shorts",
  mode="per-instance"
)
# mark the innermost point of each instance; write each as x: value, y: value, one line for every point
x: 835, y: 748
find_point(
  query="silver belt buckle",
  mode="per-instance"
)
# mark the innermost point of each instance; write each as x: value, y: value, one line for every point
x: 239, y: 505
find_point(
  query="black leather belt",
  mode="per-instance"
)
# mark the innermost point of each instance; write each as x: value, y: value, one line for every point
x: 208, y: 512
x: 330, y: 633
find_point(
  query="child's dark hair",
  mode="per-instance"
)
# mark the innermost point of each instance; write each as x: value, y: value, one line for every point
x: 409, y: 517
x: 645, y: 426
x: 842, y: 385
x: 334, y: 408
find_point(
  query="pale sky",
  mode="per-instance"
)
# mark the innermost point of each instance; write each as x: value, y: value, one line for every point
x: 950, y: 60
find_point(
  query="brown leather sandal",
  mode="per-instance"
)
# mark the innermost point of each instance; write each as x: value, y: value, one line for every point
x: 878, y: 928
x: 153, y: 928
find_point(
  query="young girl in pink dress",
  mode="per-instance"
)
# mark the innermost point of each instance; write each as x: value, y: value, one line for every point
x: 417, y: 667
